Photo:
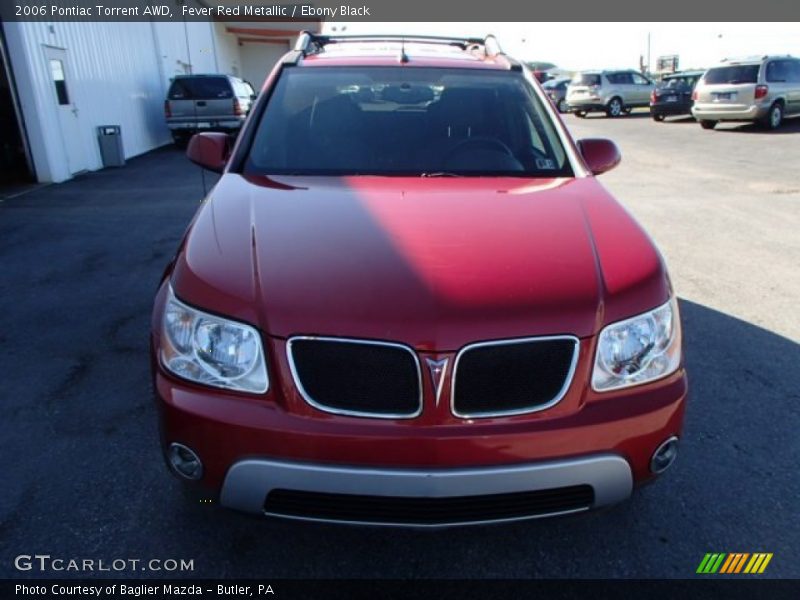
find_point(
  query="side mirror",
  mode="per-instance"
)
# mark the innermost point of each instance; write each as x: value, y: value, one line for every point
x: 210, y: 150
x: 253, y: 96
x: 600, y: 155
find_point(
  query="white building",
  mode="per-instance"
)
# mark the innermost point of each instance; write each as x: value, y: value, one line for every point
x: 60, y: 81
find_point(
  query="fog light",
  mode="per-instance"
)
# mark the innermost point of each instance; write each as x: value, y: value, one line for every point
x: 664, y: 455
x: 184, y: 461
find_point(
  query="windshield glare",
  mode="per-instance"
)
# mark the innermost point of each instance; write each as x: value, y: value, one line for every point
x: 405, y: 121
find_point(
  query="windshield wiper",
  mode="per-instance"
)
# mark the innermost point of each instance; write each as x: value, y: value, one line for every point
x: 440, y: 174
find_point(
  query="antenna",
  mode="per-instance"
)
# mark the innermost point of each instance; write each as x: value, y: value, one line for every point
x: 403, y: 55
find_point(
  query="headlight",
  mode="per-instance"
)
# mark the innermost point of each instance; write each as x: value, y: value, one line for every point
x: 211, y: 350
x: 638, y: 350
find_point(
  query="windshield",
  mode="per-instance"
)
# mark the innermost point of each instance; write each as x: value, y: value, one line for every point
x: 405, y: 121
x: 732, y: 74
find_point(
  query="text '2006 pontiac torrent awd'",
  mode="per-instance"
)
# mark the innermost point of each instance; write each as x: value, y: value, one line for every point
x: 408, y: 301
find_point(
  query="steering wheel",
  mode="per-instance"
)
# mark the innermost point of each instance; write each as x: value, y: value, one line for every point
x: 486, y: 142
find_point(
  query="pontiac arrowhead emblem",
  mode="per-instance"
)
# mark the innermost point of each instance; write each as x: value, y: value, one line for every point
x: 437, y: 368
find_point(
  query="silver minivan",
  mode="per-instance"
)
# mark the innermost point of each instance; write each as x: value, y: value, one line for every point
x: 612, y: 92
x: 763, y: 89
x: 206, y: 103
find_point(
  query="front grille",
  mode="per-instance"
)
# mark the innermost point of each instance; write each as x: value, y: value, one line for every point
x: 512, y: 376
x: 428, y: 511
x: 356, y: 377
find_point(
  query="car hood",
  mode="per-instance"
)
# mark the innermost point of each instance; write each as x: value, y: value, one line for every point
x: 431, y: 262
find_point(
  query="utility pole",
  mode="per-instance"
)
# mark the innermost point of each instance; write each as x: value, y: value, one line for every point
x: 649, y: 68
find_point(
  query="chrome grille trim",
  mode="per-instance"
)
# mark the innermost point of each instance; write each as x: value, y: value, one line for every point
x: 523, y: 411
x: 352, y: 413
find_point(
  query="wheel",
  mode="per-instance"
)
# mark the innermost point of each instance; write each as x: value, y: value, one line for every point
x: 774, y: 117
x: 580, y: 114
x: 614, y: 108
x: 561, y: 106
x: 658, y: 117
x: 708, y: 124
x: 627, y: 110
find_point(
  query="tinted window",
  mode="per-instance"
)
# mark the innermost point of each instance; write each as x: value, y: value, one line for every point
x: 586, y: 79
x: 392, y: 121
x: 200, y: 88
x: 778, y: 71
x: 732, y: 74
x: 620, y: 78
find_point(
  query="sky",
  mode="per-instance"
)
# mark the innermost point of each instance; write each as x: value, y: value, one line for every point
x: 574, y: 46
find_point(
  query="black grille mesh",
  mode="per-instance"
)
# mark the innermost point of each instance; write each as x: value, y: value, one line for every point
x: 427, y: 511
x: 511, y: 377
x: 358, y: 377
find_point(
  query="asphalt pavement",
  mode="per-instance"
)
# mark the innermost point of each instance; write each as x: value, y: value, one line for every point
x: 82, y: 475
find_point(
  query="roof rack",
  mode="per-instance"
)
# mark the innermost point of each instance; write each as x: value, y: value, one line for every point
x: 312, y: 43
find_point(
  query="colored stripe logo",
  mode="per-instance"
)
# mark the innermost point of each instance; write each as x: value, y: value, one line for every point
x: 733, y: 563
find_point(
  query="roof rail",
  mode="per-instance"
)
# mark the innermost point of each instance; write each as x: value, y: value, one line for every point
x: 311, y: 43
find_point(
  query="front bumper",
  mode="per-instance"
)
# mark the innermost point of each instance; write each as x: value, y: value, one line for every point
x: 250, y: 447
x: 248, y: 482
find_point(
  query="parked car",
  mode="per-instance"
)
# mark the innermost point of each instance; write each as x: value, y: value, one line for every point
x: 673, y: 95
x: 414, y: 305
x: 612, y: 92
x: 556, y: 89
x: 206, y: 103
x: 763, y: 89
x: 541, y: 70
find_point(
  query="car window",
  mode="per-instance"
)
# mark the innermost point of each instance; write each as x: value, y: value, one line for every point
x: 200, y: 88
x: 778, y: 71
x: 732, y: 74
x: 639, y: 80
x: 794, y: 71
x: 586, y: 79
x: 620, y: 78
x: 390, y: 121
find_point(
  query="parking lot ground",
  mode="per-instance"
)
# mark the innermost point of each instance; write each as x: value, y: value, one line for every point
x: 82, y: 475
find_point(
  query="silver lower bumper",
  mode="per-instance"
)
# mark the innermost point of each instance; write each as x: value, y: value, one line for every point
x: 248, y: 482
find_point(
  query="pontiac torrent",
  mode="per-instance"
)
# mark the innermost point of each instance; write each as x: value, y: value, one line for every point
x: 408, y: 301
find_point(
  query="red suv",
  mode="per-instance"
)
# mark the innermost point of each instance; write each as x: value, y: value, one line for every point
x: 408, y: 301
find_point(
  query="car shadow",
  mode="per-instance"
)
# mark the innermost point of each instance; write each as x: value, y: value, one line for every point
x: 789, y: 126
x: 681, y: 120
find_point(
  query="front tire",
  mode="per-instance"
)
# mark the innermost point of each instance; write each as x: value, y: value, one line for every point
x: 708, y: 124
x: 580, y: 114
x: 614, y: 108
x: 561, y: 106
x: 658, y: 118
x: 774, y: 117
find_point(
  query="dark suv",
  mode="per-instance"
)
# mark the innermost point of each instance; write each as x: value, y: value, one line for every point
x: 673, y: 95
